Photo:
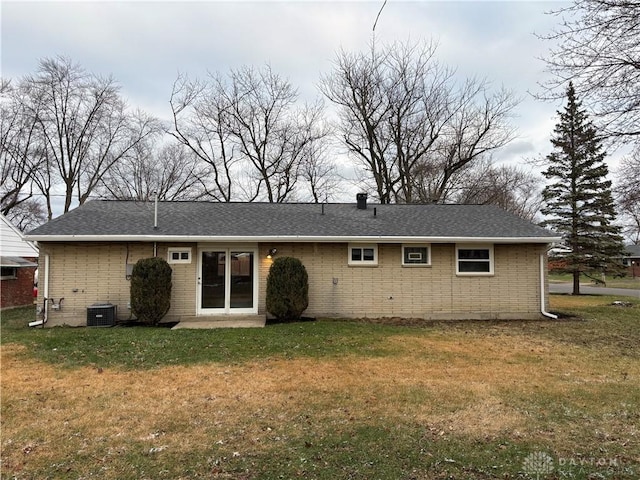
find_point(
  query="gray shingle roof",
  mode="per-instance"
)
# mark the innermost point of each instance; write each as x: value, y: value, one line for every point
x: 632, y: 250
x: 111, y: 219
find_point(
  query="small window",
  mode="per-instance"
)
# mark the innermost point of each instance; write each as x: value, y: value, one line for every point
x: 474, y: 260
x: 8, y: 273
x: 416, y: 255
x: 179, y: 255
x: 363, y: 255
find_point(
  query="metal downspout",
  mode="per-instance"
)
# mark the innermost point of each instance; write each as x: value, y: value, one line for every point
x: 45, y: 303
x: 542, y: 285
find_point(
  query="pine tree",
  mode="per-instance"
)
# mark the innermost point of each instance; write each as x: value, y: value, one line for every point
x: 578, y: 202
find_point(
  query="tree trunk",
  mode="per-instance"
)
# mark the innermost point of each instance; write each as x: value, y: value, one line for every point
x: 576, y: 283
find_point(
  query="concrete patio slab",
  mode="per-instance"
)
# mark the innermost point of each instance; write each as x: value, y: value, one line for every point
x: 222, y: 321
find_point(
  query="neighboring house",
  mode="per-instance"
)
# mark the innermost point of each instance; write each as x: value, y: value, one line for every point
x: 422, y: 261
x: 632, y: 260
x: 18, y: 265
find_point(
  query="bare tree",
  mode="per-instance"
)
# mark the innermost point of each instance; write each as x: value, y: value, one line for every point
x: 357, y: 87
x: 598, y: 49
x: 318, y: 171
x: 171, y: 172
x: 628, y: 195
x: 200, y: 124
x: 114, y: 148
x: 84, y: 125
x: 408, y: 121
x: 477, y: 127
x: 21, y: 154
x: 246, y: 126
x: 271, y: 133
x: 27, y: 215
x: 507, y: 186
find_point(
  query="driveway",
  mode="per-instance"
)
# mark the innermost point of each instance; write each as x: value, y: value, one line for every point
x: 590, y: 290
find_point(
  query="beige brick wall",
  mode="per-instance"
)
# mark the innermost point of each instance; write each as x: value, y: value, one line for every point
x: 87, y: 273
x: 433, y: 292
x: 184, y: 280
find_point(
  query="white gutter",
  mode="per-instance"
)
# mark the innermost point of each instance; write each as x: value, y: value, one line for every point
x: 542, y: 290
x: 288, y: 238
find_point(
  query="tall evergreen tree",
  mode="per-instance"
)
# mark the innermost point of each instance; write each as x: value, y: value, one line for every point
x: 578, y: 201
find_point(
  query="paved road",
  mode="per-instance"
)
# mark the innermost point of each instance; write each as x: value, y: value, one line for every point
x: 589, y: 290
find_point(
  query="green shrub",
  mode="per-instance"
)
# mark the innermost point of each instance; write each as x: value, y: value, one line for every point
x: 150, y: 290
x: 287, y: 289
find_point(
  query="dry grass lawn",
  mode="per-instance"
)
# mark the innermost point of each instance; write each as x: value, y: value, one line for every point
x: 467, y: 388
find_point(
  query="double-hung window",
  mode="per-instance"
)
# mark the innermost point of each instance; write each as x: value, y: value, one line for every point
x: 361, y: 255
x: 474, y: 259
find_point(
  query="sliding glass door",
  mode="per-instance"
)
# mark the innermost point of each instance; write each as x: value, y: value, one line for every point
x: 227, y: 281
x: 213, y: 285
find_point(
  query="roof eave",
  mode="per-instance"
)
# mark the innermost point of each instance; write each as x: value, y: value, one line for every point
x: 16, y: 262
x: 290, y: 238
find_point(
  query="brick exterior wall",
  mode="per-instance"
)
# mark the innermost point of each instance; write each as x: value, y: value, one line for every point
x: 88, y: 273
x: 430, y: 292
x: 18, y: 292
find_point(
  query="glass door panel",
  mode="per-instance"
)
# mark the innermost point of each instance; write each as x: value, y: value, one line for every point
x: 213, y: 280
x: 241, y: 271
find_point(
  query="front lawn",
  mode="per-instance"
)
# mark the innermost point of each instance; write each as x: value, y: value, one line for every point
x: 327, y: 399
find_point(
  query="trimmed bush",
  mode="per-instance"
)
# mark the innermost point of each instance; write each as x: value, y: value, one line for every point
x: 287, y: 289
x: 150, y: 290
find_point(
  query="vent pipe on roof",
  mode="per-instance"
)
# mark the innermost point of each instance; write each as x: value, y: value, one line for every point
x: 155, y: 212
x: 361, y: 199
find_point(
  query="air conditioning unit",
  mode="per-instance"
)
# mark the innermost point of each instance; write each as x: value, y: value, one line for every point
x: 101, y: 315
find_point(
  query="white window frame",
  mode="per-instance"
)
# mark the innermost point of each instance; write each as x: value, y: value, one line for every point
x: 362, y: 247
x: 227, y: 249
x: 179, y: 250
x: 490, y: 261
x: 417, y: 245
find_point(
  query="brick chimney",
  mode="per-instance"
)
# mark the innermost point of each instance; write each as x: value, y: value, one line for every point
x: 361, y: 199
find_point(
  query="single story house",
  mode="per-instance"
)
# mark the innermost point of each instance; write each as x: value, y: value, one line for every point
x: 363, y: 260
x: 18, y: 260
x: 631, y: 260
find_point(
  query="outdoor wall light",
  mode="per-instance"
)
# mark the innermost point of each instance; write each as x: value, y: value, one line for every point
x: 272, y: 253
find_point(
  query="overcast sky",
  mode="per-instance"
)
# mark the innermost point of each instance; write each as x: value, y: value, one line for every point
x: 144, y: 45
